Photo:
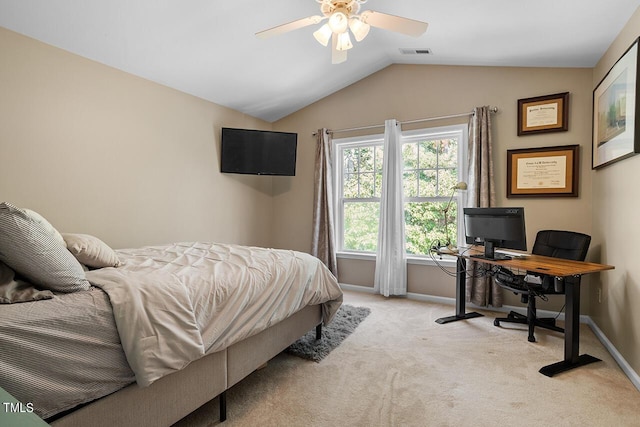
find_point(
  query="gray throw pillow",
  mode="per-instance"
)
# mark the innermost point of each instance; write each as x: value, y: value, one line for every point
x: 13, y: 291
x: 33, y: 252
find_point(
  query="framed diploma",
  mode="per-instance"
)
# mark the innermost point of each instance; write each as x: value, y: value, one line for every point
x: 615, y: 113
x: 549, y: 113
x: 543, y: 172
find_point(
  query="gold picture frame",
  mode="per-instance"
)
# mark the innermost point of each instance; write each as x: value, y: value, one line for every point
x: 543, y: 172
x: 549, y: 113
x: 615, y: 113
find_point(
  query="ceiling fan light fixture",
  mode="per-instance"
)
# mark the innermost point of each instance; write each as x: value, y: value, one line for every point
x: 338, y: 22
x: 359, y: 29
x: 343, y: 19
x: 323, y: 34
x: 344, y: 42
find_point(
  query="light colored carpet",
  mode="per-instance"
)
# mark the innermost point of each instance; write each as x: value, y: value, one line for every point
x: 345, y: 321
x: 400, y: 368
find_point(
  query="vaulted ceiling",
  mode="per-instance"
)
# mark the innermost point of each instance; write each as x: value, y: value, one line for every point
x: 208, y: 48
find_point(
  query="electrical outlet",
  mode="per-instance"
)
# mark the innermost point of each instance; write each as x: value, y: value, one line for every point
x: 599, y: 294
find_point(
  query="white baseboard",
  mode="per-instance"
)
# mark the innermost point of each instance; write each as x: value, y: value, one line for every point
x: 452, y: 301
x: 626, y: 368
x: 357, y: 288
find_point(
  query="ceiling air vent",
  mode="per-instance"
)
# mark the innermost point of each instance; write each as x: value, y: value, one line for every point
x: 415, y: 51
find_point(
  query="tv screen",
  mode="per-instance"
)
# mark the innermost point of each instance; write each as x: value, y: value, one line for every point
x: 258, y: 152
x: 495, y: 228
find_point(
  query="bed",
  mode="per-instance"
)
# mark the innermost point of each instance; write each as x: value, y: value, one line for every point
x: 144, y: 336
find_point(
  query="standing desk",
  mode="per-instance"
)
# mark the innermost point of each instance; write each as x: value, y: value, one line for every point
x: 569, y: 270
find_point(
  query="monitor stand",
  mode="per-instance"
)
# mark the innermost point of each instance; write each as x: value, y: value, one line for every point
x: 490, y: 253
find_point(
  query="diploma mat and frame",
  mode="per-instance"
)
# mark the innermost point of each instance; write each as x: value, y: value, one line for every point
x: 543, y: 172
x: 541, y: 114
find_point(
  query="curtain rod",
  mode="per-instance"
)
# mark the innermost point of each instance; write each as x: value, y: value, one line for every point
x: 492, y: 109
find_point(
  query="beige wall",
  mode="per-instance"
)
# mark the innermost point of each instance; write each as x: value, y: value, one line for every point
x: 99, y: 151
x: 617, y: 231
x: 408, y: 92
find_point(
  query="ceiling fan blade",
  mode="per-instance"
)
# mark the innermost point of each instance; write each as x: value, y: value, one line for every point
x: 284, y: 28
x: 407, y: 26
x: 337, y: 56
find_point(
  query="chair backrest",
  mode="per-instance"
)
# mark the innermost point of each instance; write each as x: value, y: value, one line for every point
x: 561, y: 244
x: 552, y: 243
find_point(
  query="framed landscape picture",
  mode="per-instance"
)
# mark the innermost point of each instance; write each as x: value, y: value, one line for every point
x: 615, y: 112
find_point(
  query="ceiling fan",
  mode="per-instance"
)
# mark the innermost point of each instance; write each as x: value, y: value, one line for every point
x: 342, y: 15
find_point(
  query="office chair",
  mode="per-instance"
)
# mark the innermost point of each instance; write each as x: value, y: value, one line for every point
x: 553, y: 243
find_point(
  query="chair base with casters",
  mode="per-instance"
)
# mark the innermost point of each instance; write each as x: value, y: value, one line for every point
x: 530, y: 318
x: 552, y: 243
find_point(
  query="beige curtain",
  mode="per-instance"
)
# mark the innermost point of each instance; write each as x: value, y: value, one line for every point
x: 481, y: 290
x: 322, y: 242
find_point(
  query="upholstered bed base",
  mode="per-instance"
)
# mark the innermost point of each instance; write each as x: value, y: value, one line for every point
x: 173, y: 397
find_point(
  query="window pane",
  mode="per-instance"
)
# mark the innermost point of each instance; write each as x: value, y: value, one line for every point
x: 378, y: 184
x: 350, y: 187
x: 427, y: 183
x: 379, y: 157
x: 447, y: 179
x: 366, y: 159
x: 410, y: 183
x: 424, y: 225
x: 410, y: 155
x: 350, y: 156
x: 367, y: 184
x: 428, y: 156
x: 361, y: 226
x: 447, y: 153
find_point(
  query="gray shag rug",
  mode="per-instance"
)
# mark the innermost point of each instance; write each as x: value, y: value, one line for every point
x: 343, y: 324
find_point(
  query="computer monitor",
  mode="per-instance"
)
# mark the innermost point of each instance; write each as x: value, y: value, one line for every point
x: 495, y: 228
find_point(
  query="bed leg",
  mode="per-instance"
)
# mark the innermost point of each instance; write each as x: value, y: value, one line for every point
x: 223, y: 406
x: 319, y: 331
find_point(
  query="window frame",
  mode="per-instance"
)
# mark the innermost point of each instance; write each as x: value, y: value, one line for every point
x: 339, y: 144
x: 441, y: 132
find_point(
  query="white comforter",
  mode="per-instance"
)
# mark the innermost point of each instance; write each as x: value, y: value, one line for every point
x: 175, y: 303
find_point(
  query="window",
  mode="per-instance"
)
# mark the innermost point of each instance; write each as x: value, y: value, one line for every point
x: 359, y: 190
x: 431, y: 158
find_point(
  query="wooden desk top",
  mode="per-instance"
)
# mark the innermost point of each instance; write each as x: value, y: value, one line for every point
x: 544, y: 264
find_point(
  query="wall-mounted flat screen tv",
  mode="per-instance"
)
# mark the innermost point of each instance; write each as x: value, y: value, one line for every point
x: 258, y: 152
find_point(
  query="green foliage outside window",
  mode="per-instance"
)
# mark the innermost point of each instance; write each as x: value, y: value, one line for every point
x: 429, y: 174
x: 362, y: 167
x: 361, y: 226
x: 424, y: 226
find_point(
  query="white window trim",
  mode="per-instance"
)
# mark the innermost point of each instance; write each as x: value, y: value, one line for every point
x: 338, y: 146
x: 345, y: 143
x: 446, y: 260
x: 463, y: 172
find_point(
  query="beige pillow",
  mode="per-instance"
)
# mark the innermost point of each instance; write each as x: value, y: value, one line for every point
x: 91, y: 251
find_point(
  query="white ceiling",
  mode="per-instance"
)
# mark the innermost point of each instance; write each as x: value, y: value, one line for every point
x: 208, y: 48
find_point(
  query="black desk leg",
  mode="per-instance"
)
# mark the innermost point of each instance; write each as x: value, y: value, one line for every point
x: 461, y: 288
x: 572, y: 359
